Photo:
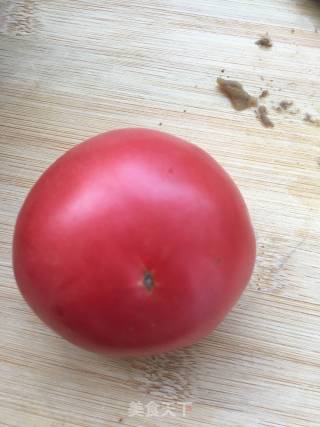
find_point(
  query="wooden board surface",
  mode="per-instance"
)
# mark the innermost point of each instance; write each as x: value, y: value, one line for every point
x: 72, y: 68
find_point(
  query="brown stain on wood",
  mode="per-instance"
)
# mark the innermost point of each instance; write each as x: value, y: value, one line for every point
x: 238, y: 96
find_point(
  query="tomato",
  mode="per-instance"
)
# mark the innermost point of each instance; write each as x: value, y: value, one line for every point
x: 134, y: 242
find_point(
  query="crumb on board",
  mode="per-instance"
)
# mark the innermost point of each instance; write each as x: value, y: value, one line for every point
x: 296, y: 111
x: 120, y: 420
x: 264, y: 93
x: 284, y: 105
x: 293, y: 30
x: 310, y: 119
x: 262, y: 115
x: 160, y: 124
x: 240, y: 99
x: 222, y: 70
x: 264, y: 41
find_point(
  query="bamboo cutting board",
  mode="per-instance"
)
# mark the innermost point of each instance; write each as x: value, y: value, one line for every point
x: 72, y: 68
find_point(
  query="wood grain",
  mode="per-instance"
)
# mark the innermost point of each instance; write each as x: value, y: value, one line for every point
x: 70, y: 69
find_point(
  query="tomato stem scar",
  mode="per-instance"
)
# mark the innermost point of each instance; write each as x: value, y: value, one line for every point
x: 148, y: 280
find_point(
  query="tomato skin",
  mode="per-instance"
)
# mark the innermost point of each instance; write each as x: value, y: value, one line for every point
x: 134, y: 242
